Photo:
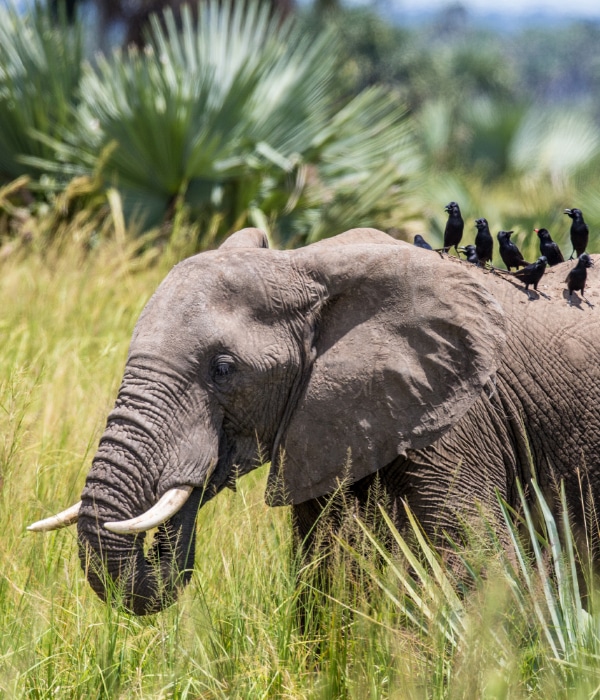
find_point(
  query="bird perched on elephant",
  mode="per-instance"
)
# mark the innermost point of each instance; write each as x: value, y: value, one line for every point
x: 577, y: 277
x: 420, y: 242
x: 453, y: 231
x: 579, y: 232
x: 510, y: 254
x: 357, y: 358
x: 484, y: 243
x: 471, y: 252
x: 548, y: 248
x: 532, y: 273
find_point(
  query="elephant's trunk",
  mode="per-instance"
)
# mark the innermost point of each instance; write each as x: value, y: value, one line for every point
x: 117, y: 566
x: 155, y: 440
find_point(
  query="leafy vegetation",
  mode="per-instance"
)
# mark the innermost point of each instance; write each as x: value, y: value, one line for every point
x: 40, y: 70
x: 505, y: 126
x: 304, y: 127
x: 234, y: 116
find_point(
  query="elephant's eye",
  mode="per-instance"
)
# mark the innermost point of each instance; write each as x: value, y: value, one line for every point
x: 222, y: 368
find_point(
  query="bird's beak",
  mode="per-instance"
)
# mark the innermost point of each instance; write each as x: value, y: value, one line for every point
x: 536, y: 230
x: 567, y: 211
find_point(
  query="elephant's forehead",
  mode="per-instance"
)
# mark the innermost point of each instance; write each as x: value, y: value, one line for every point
x: 220, y: 277
x: 206, y: 299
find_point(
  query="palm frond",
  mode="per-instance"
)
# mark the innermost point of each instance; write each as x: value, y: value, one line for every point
x: 236, y: 113
x: 40, y: 71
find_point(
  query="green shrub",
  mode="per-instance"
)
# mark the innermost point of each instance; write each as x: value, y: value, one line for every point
x: 237, y: 117
x: 40, y: 69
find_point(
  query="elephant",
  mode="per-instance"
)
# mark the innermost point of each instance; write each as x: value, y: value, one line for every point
x: 356, y: 359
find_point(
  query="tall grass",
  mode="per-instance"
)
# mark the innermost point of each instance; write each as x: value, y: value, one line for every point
x: 377, y: 632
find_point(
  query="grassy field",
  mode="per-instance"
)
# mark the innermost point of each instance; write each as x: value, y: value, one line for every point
x: 65, y: 322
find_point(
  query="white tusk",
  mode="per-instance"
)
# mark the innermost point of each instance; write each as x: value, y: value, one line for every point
x: 64, y: 519
x: 171, y: 502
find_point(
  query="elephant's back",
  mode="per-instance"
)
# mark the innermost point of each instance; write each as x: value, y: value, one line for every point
x: 552, y: 297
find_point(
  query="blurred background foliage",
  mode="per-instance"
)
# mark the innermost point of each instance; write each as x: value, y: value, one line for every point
x: 304, y: 120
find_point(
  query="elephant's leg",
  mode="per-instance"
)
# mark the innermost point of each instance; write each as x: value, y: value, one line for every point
x: 446, y: 503
x: 306, y: 518
x: 313, y: 523
x: 323, y: 564
x: 318, y: 521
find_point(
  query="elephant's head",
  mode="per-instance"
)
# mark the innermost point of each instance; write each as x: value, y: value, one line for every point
x: 332, y: 360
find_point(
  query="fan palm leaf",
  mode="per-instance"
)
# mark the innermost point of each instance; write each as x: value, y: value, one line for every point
x: 237, y: 113
x: 40, y: 70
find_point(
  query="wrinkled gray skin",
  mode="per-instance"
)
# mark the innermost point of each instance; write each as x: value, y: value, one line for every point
x: 351, y: 357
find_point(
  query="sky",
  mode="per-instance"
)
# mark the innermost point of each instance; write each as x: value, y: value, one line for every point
x: 571, y: 8
x: 583, y: 8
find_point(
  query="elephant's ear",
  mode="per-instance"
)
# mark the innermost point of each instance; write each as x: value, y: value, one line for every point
x: 246, y: 238
x: 404, y: 342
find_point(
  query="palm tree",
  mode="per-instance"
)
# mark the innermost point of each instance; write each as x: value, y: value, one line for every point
x: 236, y: 116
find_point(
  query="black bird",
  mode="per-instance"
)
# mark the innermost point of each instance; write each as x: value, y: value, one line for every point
x: 509, y: 252
x: 471, y: 254
x: 578, y: 275
x: 484, y: 243
x: 549, y: 248
x: 532, y: 274
x: 454, y: 227
x: 420, y: 242
x: 579, y: 231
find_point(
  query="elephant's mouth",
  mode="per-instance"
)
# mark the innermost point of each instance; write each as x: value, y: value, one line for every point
x: 122, y: 570
x: 148, y: 580
x: 113, y: 555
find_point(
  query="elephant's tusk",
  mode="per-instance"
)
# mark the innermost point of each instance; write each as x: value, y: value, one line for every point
x: 64, y: 519
x: 171, y: 502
